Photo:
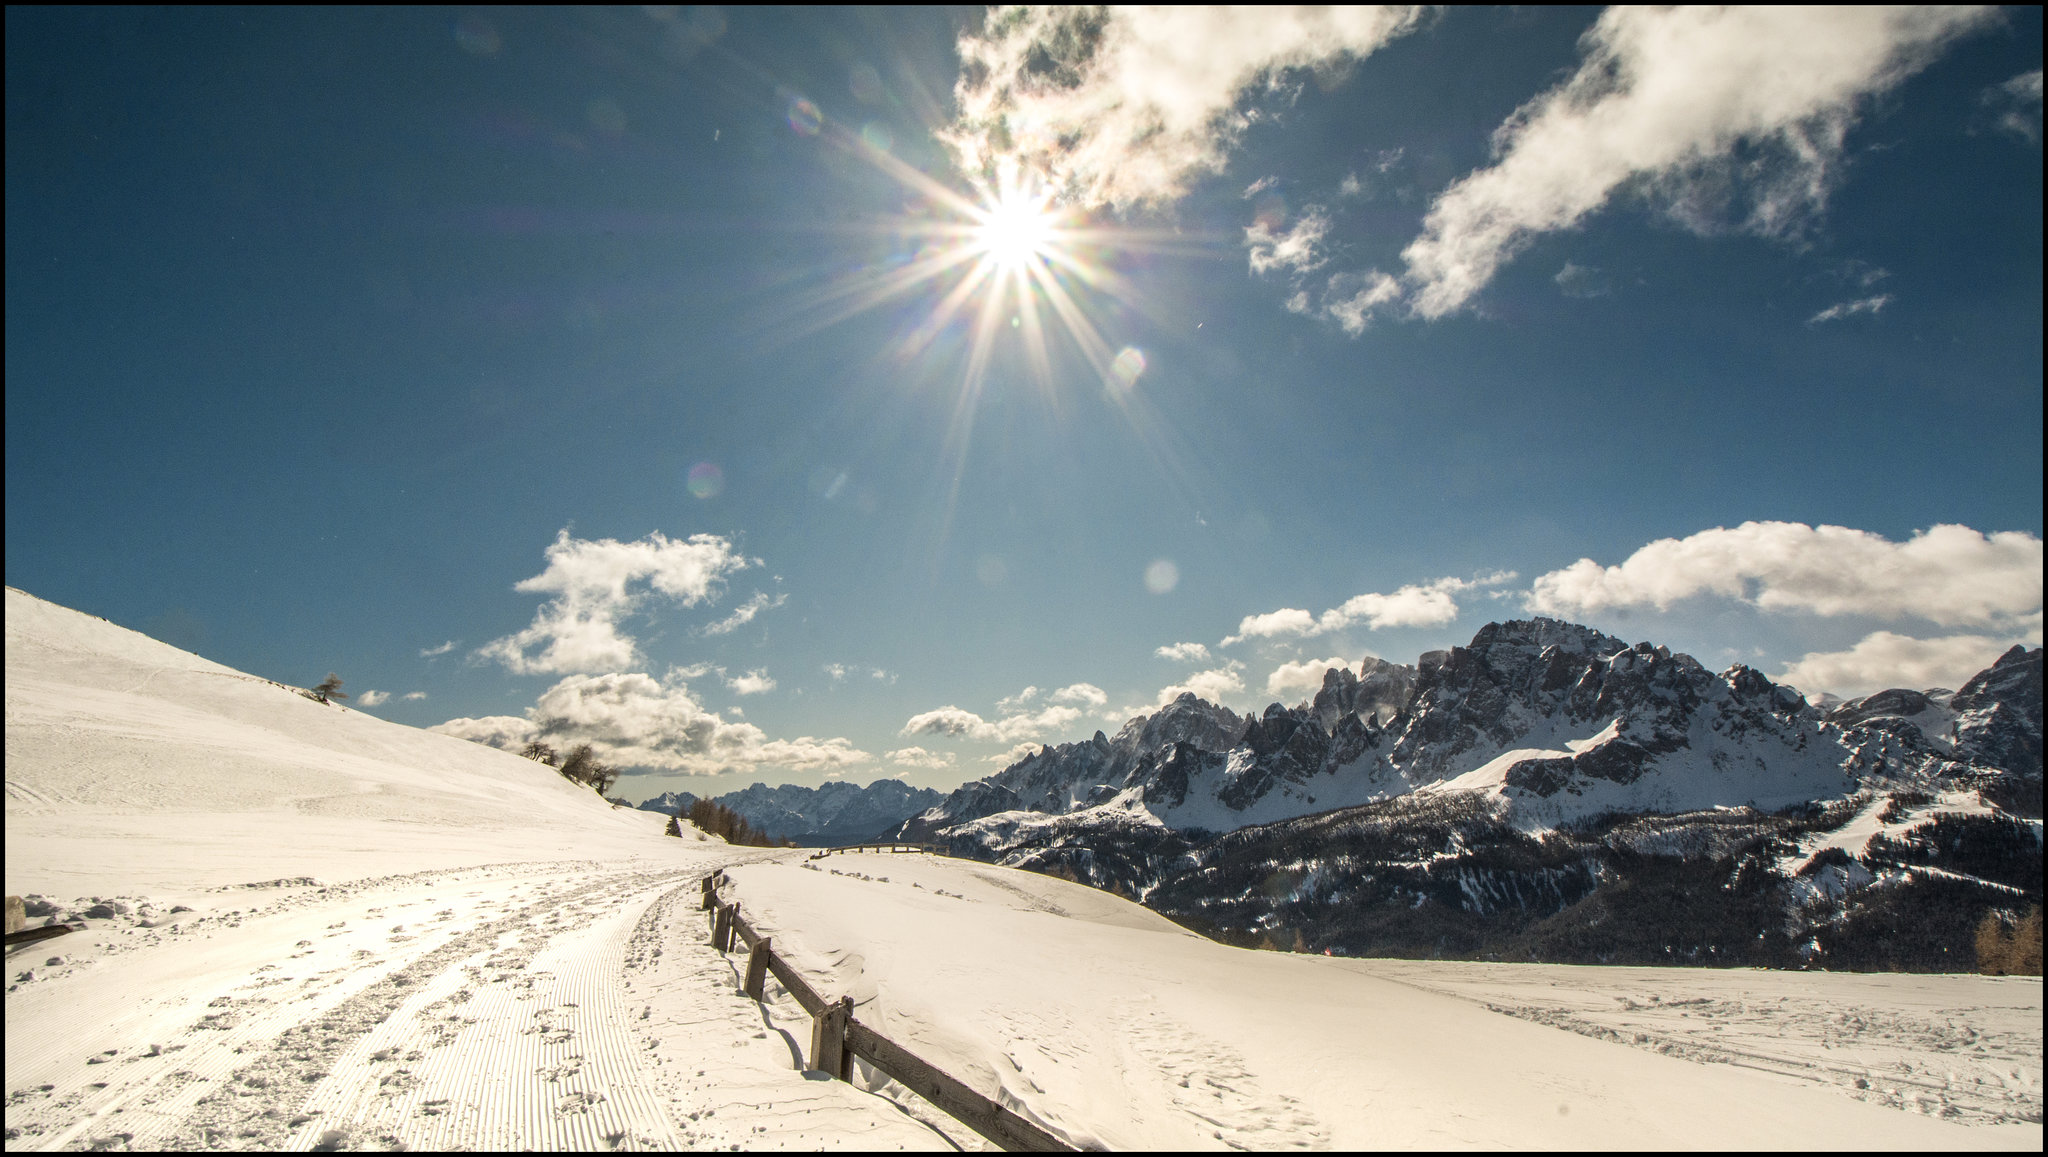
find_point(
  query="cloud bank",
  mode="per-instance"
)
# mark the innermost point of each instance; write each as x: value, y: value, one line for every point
x: 1416, y: 605
x: 1883, y: 659
x: 638, y: 721
x: 1951, y: 576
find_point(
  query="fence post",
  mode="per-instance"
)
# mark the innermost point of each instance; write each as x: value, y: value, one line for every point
x: 721, y: 928
x: 732, y: 930
x: 828, y: 1039
x: 710, y: 896
x: 757, y: 968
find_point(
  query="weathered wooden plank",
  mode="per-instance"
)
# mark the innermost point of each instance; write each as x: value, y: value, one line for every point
x: 979, y: 1113
x: 721, y: 927
x: 17, y: 914
x: 828, y: 1039
x: 31, y: 935
x: 793, y: 981
x: 757, y: 967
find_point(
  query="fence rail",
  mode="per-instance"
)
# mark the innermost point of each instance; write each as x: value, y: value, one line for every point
x: 837, y: 1038
x: 894, y: 846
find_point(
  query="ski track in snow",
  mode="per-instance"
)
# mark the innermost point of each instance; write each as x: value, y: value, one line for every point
x: 503, y: 1007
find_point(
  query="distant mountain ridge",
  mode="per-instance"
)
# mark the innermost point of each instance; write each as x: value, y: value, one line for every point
x: 1551, y: 792
x: 832, y: 814
x: 1558, y: 720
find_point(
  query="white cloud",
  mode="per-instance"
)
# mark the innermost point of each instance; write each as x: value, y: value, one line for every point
x: 919, y: 757
x: 372, y: 698
x: 1012, y: 728
x: 754, y: 682
x: 436, y: 652
x: 1293, y: 251
x: 1705, y: 110
x: 638, y: 721
x: 881, y: 676
x: 1883, y: 659
x: 1010, y: 703
x: 1350, y: 299
x: 744, y: 613
x: 1087, y: 693
x: 2020, y: 98
x: 1415, y: 605
x: 578, y: 629
x: 1017, y: 752
x: 1304, y: 677
x: 1127, y: 106
x: 1948, y: 575
x: 413, y: 696
x: 1184, y: 653
x: 1581, y: 281
x: 836, y: 670
x: 1844, y: 309
x: 1215, y: 684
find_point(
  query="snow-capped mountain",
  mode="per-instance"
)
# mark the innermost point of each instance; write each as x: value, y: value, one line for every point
x: 1557, y: 720
x: 834, y: 813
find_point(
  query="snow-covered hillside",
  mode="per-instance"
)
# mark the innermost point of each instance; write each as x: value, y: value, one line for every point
x: 305, y: 927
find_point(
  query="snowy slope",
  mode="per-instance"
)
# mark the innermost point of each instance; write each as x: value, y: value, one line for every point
x: 1113, y: 1026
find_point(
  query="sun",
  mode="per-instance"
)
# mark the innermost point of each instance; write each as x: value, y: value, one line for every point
x: 1015, y: 229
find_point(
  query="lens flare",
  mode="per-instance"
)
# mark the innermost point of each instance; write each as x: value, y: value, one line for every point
x: 805, y: 118
x: 1162, y: 576
x: 1128, y: 367
x: 706, y: 480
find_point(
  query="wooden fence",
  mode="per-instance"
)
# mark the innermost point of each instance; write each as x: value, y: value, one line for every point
x: 837, y: 1038
x: 887, y: 846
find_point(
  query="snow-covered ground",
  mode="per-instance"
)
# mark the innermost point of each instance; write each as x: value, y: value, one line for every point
x: 321, y: 930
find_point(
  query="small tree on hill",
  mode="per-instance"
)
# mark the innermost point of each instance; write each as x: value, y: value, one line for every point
x: 540, y: 753
x: 581, y: 766
x: 329, y: 686
x: 675, y: 827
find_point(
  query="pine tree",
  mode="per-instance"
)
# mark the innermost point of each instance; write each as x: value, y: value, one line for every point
x: 675, y: 827
x: 329, y: 686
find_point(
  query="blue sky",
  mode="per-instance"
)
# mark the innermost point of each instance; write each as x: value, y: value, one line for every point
x: 530, y: 366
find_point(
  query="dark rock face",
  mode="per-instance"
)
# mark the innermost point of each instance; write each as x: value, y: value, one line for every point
x: 1998, y: 714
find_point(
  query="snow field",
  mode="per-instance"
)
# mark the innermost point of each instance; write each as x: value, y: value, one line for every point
x: 1967, y: 1048
x: 1112, y: 1026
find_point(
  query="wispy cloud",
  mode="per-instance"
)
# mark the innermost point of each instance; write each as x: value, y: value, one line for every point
x: 1125, y: 106
x: 413, y: 696
x: 373, y: 698
x: 1416, y: 605
x: 1184, y: 653
x: 1850, y: 309
x: 638, y: 721
x: 744, y: 613
x: 1948, y: 575
x: 437, y: 652
x: 919, y: 757
x: 2019, y: 104
x: 593, y: 584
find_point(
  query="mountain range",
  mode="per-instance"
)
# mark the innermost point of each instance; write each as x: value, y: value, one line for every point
x: 1542, y: 768
x: 830, y: 815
